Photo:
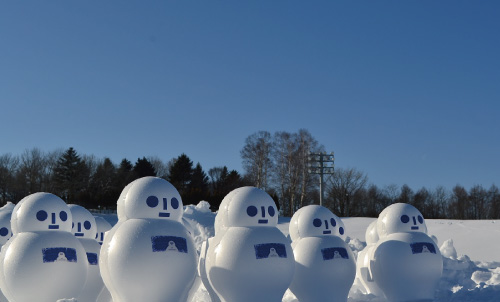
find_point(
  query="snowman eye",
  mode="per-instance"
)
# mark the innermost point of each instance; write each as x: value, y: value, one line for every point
x: 317, y: 222
x: 73, y: 225
x: 152, y: 201
x: 252, y: 211
x: 271, y: 211
x: 175, y: 203
x: 4, y: 232
x: 87, y: 225
x: 405, y: 219
x: 341, y: 231
x: 96, y: 235
x: 333, y: 222
x: 41, y: 215
x: 420, y: 219
x: 63, y: 215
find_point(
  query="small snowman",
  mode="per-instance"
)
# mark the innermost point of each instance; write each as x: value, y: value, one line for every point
x: 406, y: 264
x: 5, y: 232
x: 240, y: 268
x: 363, y: 273
x: 140, y: 263
x: 102, y: 227
x: 43, y: 261
x: 84, y: 228
x: 325, y: 267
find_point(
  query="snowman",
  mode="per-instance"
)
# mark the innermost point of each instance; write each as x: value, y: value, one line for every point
x: 30, y: 262
x: 240, y: 269
x: 84, y: 228
x: 102, y: 227
x: 5, y: 232
x: 406, y: 263
x: 140, y: 263
x: 324, y: 264
x: 363, y: 273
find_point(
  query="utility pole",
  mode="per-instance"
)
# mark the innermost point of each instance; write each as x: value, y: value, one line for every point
x: 322, y: 164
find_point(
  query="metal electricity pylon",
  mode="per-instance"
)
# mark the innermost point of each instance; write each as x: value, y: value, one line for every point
x: 322, y: 164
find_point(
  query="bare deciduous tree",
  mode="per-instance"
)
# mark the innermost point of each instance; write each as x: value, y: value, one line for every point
x: 345, y: 183
x: 256, y: 156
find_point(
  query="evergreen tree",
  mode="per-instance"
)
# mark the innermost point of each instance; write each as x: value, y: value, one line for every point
x: 69, y: 176
x: 181, y: 173
x: 197, y: 187
x: 104, y: 190
x: 143, y: 168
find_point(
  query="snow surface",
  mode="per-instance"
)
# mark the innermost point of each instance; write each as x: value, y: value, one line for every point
x: 470, y: 249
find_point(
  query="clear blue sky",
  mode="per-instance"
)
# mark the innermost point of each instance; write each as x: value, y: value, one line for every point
x: 405, y: 91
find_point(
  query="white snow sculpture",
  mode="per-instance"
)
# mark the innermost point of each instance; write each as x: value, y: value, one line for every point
x: 406, y: 263
x: 9, y: 207
x: 448, y: 250
x: 240, y: 267
x: 84, y: 228
x: 5, y: 229
x: 43, y: 261
x: 325, y: 266
x: 140, y: 263
x: 363, y: 262
x: 102, y: 227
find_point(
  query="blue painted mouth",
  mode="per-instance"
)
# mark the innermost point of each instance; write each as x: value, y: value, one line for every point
x: 262, y: 220
x: 54, y: 227
x: 327, y: 232
x: 164, y: 214
x: 79, y: 234
x: 414, y: 228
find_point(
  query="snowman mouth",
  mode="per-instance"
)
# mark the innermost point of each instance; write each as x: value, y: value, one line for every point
x: 79, y: 234
x: 262, y: 220
x: 414, y: 227
x: 164, y: 214
x: 53, y: 227
x: 327, y: 232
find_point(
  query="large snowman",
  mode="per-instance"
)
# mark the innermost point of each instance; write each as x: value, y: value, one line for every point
x: 43, y: 261
x: 149, y: 255
x: 324, y: 264
x: 406, y: 263
x: 253, y: 261
x: 363, y: 273
x: 84, y: 228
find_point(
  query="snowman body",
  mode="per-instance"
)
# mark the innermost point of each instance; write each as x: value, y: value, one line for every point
x: 149, y: 253
x: 43, y: 261
x: 406, y: 264
x: 325, y: 267
x: 363, y: 273
x: 249, y: 259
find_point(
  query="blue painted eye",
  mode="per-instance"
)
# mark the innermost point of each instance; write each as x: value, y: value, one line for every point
x: 317, y: 222
x: 73, y: 225
x: 41, y: 215
x: 271, y: 211
x: 4, y: 232
x: 152, y: 201
x: 87, y: 225
x: 96, y: 235
x: 341, y: 231
x: 251, y: 211
x: 333, y: 222
x: 63, y: 215
x: 405, y: 219
x: 175, y: 203
x: 420, y: 219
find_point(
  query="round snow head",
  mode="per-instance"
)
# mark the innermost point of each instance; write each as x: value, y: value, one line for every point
x: 84, y: 225
x: 102, y: 227
x: 43, y: 212
x: 316, y: 221
x: 220, y: 223
x: 293, y: 227
x: 250, y: 206
x: 120, y: 203
x: 153, y: 197
x: 400, y: 218
x: 371, y: 235
x: 5, y: 230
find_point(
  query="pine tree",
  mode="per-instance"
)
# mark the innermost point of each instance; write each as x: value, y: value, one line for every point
x: 181, y: 173
x: 69, y: 175
x: 143, y: 168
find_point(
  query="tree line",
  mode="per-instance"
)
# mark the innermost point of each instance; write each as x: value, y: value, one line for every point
x: 277, y: 163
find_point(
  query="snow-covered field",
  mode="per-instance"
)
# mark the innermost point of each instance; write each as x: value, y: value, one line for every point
x: 473, y: 275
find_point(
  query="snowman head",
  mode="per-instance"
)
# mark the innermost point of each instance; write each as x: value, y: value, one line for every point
x: 84, y: 225
x: 400, y: 218
x: 42, y: 212
x: 220, y: 223
x: 250, y: 206
x: 102, y: 227
x: 371, y: 235
x: 5, y: 229
x: 314, y: 221
x: 153, y: 197
x: 120, y: 203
